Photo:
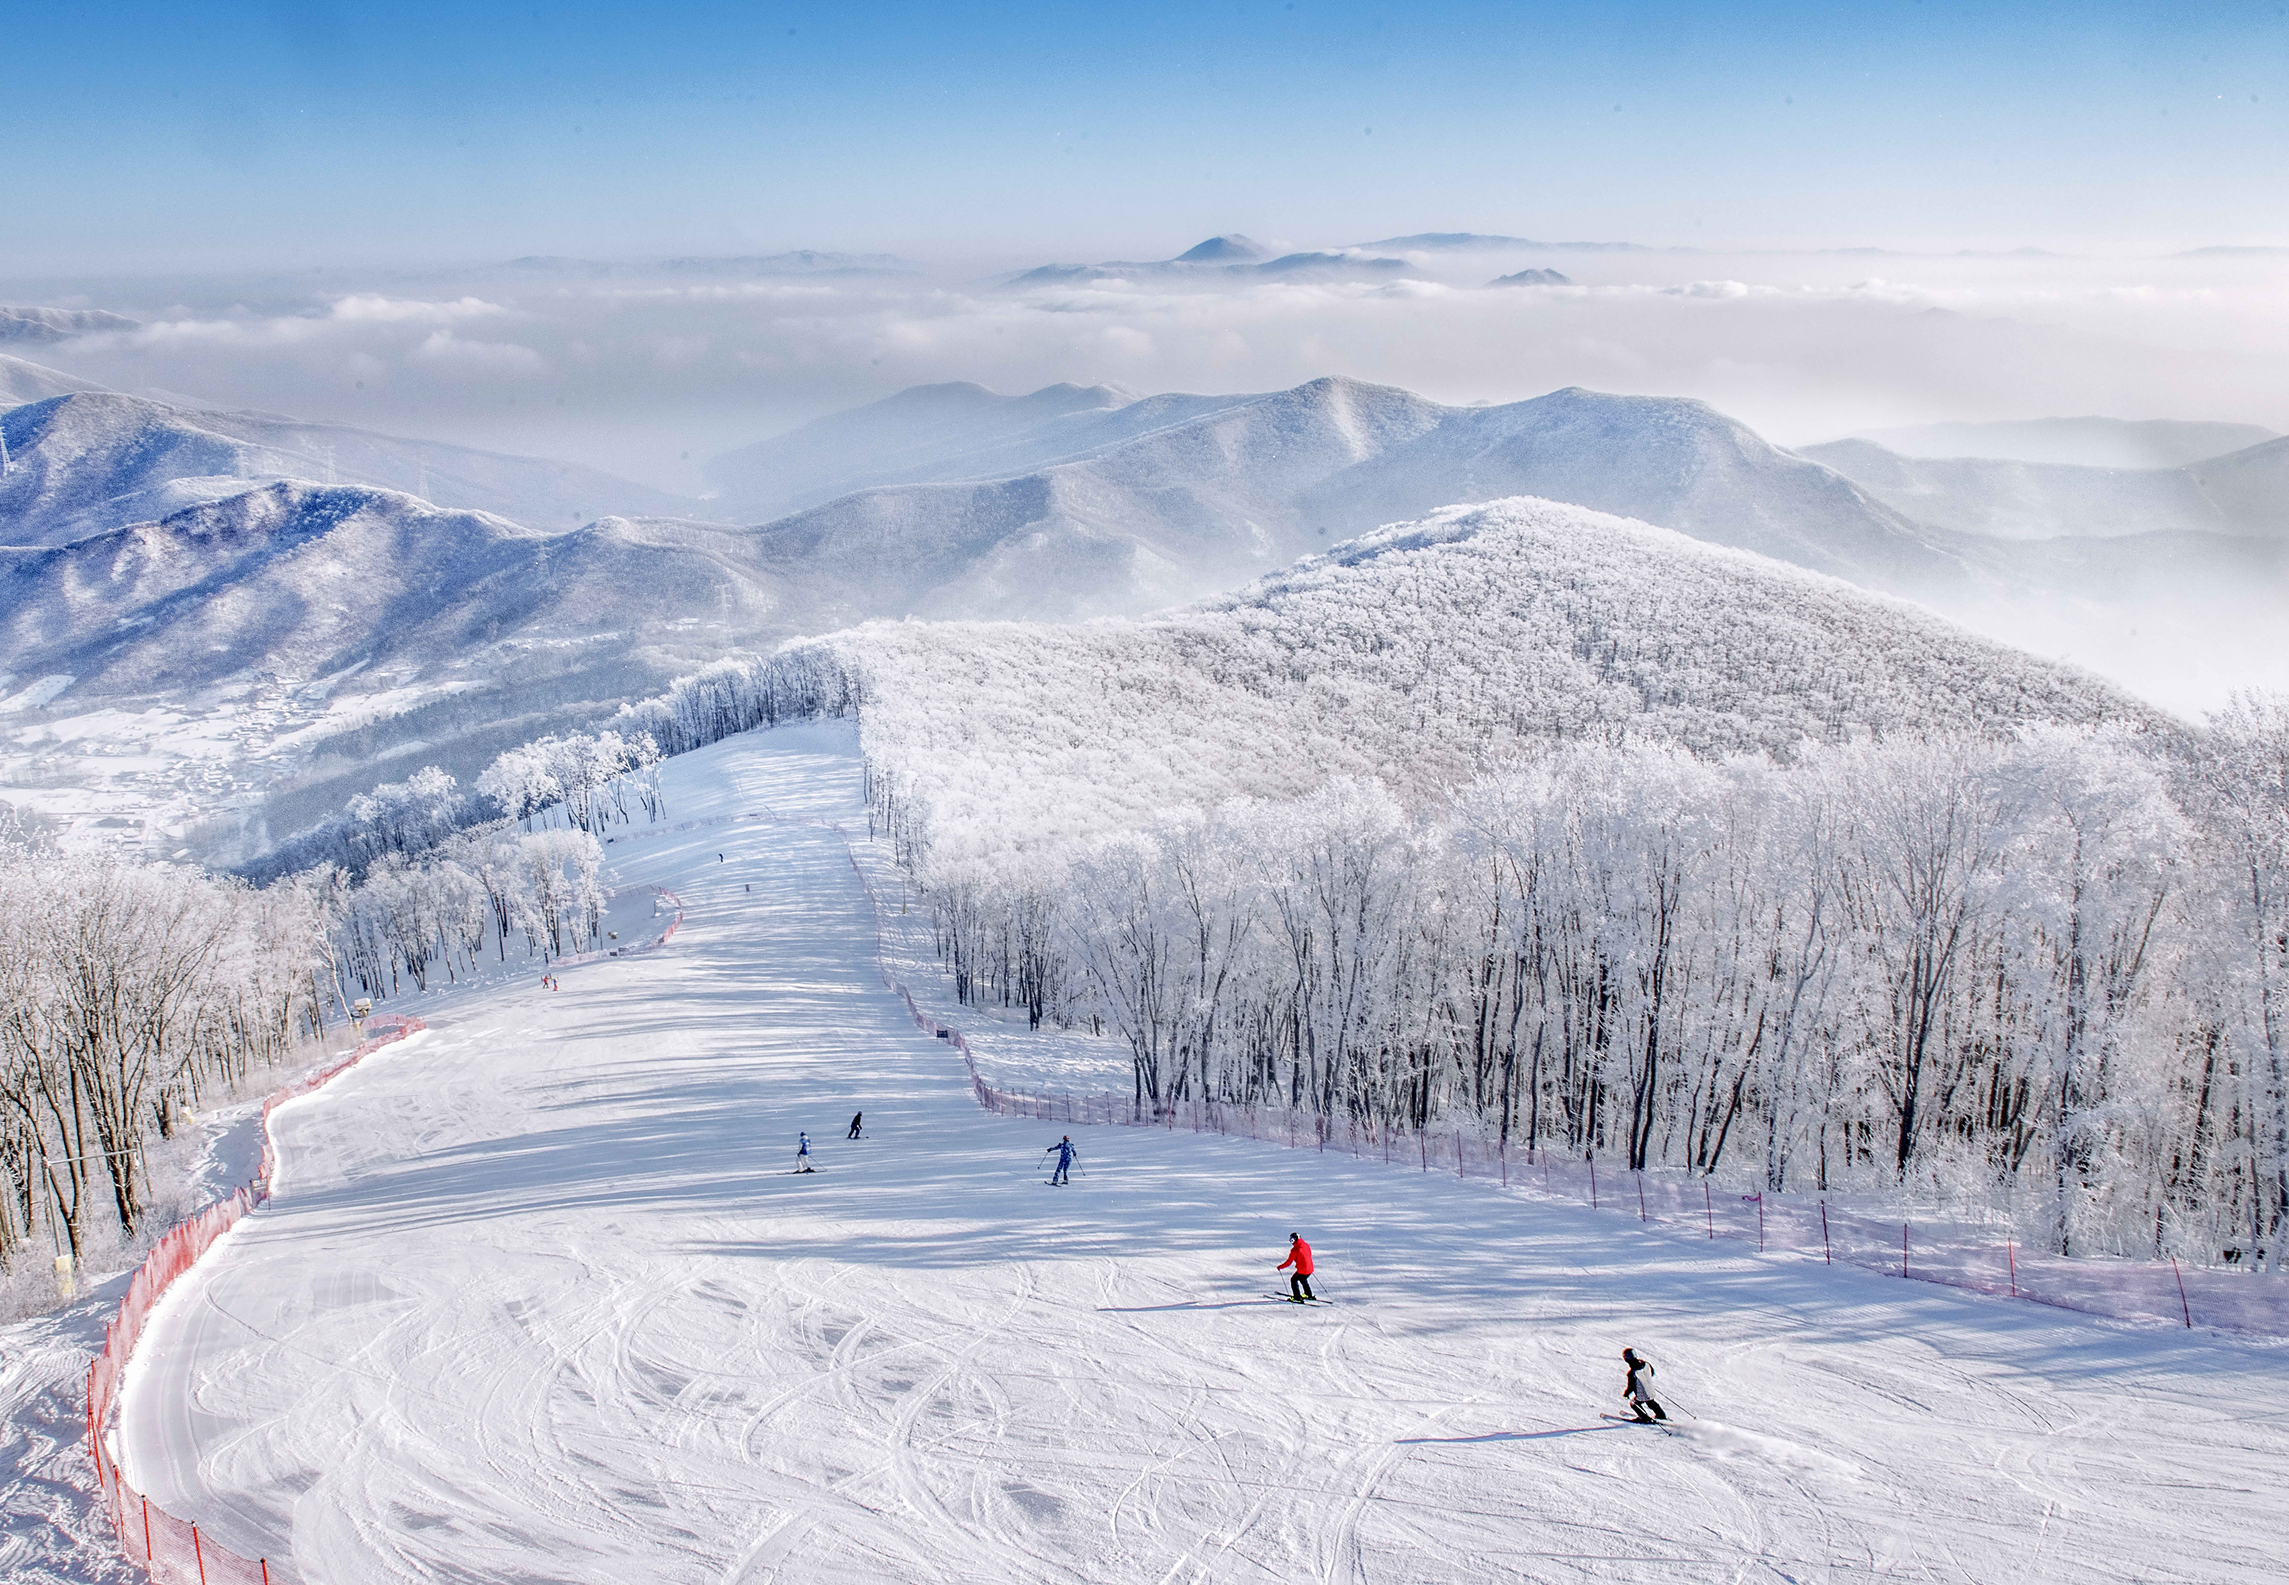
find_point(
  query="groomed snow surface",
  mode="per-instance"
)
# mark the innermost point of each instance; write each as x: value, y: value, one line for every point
x: 539, y: 1299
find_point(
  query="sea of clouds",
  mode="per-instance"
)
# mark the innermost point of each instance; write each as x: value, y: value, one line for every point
x: 648, y: 369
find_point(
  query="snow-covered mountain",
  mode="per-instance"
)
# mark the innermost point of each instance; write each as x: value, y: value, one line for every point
x: 2245, y: 492
x: 1174, y: 497
x: 1418, y: 656
x: 58, y: 324
x: 2077, y: 442
x: 242, y: 666
x: 1222, y: 259
x: 21, y: 381
x: 927, y: 432
x: 89, y: 462
x: 2249, y: 488
x: 307, y: 581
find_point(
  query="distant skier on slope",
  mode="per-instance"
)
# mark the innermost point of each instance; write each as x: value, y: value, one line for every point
x: 803, y: 1153
x: 856, y: 1119
x: 1637, y: 1390
x: 1299, y: 1256
x: 1065, y: 1154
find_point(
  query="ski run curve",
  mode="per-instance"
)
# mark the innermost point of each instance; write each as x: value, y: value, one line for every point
x: 539, y: 1299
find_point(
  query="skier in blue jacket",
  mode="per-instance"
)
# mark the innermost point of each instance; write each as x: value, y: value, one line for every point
x: 1065, y: 1154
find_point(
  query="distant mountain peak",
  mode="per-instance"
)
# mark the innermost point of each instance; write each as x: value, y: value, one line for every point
x: 1231, y: 248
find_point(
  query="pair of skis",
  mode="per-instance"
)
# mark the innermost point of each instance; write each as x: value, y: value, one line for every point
x: 1663, y: 1426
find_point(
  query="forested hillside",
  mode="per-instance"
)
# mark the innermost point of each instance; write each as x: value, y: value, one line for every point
x: 1421, y: 656
x: 1608, y: 842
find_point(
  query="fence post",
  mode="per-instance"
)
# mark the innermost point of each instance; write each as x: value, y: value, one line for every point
x: 1827, y: 1255
x: 1709, y: 1209
x: 1641, y: 1196
x: 1593, y: 1183
x: 1903, y: 1248
x: 2189, y: 1309
x: 1458, y: 1172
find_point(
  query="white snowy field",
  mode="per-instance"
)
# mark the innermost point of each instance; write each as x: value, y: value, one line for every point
x: 539, y: 1300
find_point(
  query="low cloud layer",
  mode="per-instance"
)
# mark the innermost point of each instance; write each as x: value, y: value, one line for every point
x: 650, y: 371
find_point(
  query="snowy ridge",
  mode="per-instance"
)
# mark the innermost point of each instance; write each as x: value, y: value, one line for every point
x: 1115, y: 510
x: 88, y: 462
x: 21, y: 381
x: 1422, y: 655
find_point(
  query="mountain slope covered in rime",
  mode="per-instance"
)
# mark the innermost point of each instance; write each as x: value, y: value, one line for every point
x: 87, y: 462
x: 1421, y: 655
x: 308, y: 581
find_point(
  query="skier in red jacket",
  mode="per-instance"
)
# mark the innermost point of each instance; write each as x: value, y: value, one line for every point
x: 1299, y: 1256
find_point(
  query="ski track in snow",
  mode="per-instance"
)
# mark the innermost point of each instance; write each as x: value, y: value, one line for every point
x: 541, y: 1300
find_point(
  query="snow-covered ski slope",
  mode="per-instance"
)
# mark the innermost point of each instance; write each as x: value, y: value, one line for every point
x: 539, y: 1299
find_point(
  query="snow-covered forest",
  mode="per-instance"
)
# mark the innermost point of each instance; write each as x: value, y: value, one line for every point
x: 127, y: 993
x: 1493, y: 823
x: 133, y: 991
x: 447, y: 879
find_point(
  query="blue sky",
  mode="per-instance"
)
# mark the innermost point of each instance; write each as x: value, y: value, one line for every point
x: 163, y: 137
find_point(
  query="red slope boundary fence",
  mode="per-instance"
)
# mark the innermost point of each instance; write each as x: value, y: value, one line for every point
x: 171, y: 1548
x: 1954, y: 1255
